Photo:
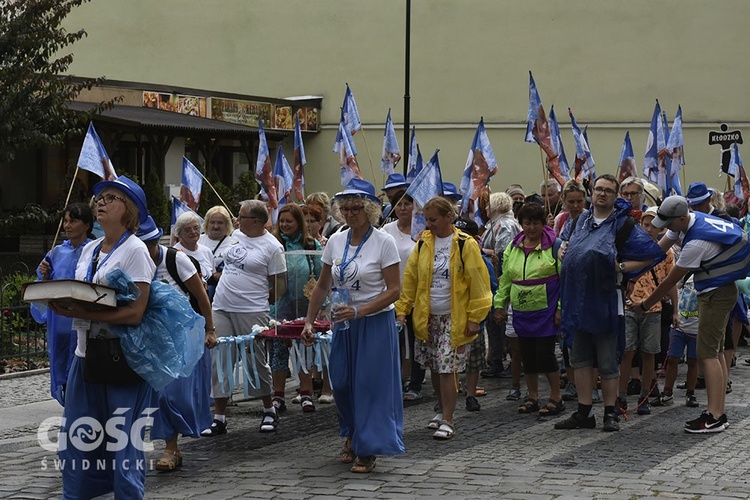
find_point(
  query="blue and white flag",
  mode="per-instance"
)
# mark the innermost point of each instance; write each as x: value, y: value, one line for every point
x: 284, y: 181
x: 737, y: 170
x: 427, y: 185
x: 415, y: 158
x: 191, y: 184
x: 676, y: 149
x: 179, y: 208
x: 627, y: 167
x: 557, y: 144
x: 263, y: 169
x: 350, y: 113
x: 584, y: 164
x: 480, y: 167
x: 535, y: 112
x: 391, y: 152
x: 344, y: 146
x: 298, y: 190
x: 651, y: 159
x: 94, y: 157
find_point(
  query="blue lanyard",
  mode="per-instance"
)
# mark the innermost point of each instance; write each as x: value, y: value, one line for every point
x: 161, y: 256
x: 95, y: 257
x: 345, y: 262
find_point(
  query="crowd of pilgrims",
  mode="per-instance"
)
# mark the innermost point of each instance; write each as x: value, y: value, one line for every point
x: 459, y: 302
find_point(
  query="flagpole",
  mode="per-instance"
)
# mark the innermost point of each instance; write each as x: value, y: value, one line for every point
x: 369, y: 158
x: 217, y: 194
x: 545, y: 175
x: 67, y: 200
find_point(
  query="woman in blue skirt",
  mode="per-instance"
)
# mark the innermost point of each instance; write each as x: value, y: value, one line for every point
x: 363, y: 263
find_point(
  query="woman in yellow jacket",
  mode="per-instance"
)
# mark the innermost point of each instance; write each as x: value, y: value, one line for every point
x: 447, y: 285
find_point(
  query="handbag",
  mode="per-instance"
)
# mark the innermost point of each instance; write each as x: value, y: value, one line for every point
x: 105, y: 363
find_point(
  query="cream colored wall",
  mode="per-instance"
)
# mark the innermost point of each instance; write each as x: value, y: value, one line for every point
x: 607, y: 59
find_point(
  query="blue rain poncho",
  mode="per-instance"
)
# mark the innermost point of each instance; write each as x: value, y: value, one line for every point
x: 590, y: 298
x: 169, y: 342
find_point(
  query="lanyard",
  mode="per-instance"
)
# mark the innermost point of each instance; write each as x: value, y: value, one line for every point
x: 345, y: 262
x: 161, y: 256
x: 95, y: 259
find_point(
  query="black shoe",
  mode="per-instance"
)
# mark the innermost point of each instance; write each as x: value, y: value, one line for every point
x: 701, y: 383
x: 611, y: 423
x: 217, y: 429
x: 492, y: 371
x: 576, y: 421
x: 472, y: 404
x: 705, y: 424
x: 634, y: 387
x: 723, y: 419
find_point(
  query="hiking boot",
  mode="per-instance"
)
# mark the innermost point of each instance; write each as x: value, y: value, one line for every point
x: 576, y: 421
x: 611, y: 422
x: 472, y: 404
x: 634, y: 387
x: 705, y: 424
x: 571, y: 393
x: 514, y: 394
x: 621, y: 405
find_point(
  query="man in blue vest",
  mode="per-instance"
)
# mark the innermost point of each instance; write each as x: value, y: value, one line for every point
x: 718, y: 253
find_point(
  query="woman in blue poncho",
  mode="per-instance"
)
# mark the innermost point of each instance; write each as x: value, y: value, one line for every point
x: 59, y: 264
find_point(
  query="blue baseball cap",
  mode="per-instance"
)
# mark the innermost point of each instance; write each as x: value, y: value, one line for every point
x: 131, y: 190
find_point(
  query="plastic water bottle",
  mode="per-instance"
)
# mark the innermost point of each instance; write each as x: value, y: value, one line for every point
x: 340, y: 298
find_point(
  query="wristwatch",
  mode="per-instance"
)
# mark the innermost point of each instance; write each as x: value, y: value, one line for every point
x: 621, y: 266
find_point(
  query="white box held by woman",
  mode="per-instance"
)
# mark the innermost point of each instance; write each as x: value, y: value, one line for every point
x: 67, y: 292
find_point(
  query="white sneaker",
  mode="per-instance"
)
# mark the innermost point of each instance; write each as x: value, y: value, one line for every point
x: 325, y: 399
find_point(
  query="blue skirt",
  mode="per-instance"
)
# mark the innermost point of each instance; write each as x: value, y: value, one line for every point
x: 101, y: 445
x: 365, y: 372
x: 184, y: 405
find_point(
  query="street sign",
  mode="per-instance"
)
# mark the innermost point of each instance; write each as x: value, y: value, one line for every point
x: 725, y: 139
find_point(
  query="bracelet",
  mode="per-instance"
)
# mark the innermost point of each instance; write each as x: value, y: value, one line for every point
x: 356, y: 311
x: 212, y: 329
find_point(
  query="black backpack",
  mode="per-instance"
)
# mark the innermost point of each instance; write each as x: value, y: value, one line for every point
x: 171, y: 263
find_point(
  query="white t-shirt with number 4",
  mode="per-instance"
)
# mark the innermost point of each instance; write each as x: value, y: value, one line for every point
x: 440, y: 289
x: 363, y: 277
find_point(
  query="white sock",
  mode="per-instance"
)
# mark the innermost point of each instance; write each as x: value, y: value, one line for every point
x: 269, y: 410
x: 221, y: 418
x: 439, y: 416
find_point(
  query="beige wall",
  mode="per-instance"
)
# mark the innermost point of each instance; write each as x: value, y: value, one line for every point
x: 607, y: 59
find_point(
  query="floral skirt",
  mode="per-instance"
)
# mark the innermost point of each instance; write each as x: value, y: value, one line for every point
x: 436, y: 353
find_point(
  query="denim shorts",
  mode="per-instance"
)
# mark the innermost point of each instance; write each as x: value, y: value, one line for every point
x: 643, y: 332
x: 679, y: 341
x: 602, y: 347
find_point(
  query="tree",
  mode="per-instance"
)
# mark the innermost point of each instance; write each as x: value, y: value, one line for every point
x: 32, y: 66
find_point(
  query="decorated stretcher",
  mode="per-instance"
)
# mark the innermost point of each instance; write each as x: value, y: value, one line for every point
x: 242, y: 348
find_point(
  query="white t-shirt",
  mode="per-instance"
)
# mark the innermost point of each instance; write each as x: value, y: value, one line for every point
x: 185, y: 269
x: 440, y: 289
x: 131, y: 257
x: 404, y: 244
x: 694, y: 251
x: 219, y: 251
x: 204, y: 257
x: 248, y: 264
x: 364, y: 275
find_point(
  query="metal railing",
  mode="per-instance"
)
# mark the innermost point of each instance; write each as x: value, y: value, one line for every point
x: 21, y: 337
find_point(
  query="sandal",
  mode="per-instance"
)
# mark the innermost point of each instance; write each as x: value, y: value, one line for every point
x: 445, y: 431
x: 412, y: 395
x: 479, y: 392
x: 169, y: 461
x: 347, y: 454
x: 307, y: 404
x: 364, y: 464
x: 435, y: 422
x: 270, y: 422
x: 529, y: 406
x: 552, y: 408
x: 279, y: 403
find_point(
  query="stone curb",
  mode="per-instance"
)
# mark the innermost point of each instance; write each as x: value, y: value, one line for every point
x: 25, y: 373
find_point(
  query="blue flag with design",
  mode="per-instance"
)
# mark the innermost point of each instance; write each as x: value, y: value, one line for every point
x: 651, y: 159
x: 344, y: 146
x: 391, y: 152
x: 557, y: 144
x: 676, y: 149
x: 584, y: 164
x: 415, y: 157
x: 191, y: 184
x: 627, y: 167
x: 480, y: 167
x: 298, y: 189
x: 263, y: 169
x: 427, y: 185
x: 94, y: 157
x: 737, y: 169
x: 350, y: 113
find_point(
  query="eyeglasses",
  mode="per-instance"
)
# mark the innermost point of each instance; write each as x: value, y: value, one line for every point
x: 351, y: 210
x: 630, y: 194
x: 192, y: 229
x: 247, y: 217
x: 607, y: 191
x: 108, y: 198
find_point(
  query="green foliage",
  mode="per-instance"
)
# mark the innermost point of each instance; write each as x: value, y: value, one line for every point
x: 209, y: 198
x: 33, y: 61
x: 247, y: 187
x: 32, y: 220
x: 14, y: 310
x: 158, y: 206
